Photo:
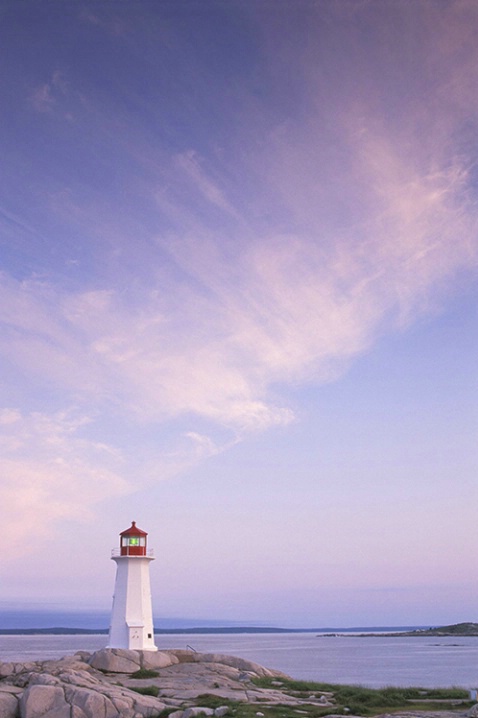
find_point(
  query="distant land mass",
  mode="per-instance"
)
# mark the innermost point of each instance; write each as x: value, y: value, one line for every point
x: 64, y: 630
x: 456, y: 629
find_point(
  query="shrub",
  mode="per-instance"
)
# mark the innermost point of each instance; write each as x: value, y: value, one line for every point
x: 145, y: 673
x: 146, y: 690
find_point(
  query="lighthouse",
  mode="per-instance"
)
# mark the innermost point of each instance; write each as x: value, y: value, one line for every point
x: 132, y: 615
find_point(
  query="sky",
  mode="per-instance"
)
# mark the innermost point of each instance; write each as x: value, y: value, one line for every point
x: 238, y: 305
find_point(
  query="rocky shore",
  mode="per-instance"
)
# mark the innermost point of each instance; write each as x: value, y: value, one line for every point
x: 103, y: 685
x: 180, y: 684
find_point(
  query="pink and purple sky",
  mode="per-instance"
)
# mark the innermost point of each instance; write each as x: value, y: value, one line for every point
x: 238, y: 247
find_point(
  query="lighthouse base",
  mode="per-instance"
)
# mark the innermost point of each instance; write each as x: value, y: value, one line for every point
x: 139, y: 639
x: 132, y: 638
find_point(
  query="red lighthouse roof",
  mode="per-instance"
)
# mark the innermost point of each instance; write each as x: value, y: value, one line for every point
x: 133, y: 531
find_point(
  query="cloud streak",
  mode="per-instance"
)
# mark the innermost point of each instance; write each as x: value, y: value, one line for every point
x: 224, y: 274
x: 50, y: 473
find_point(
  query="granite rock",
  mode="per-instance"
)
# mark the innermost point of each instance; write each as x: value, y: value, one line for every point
x: 234, y: 661
x: 8, y: 705
x: 39, y: 701
x: 221, y: 711
x: 121, y: 660
x: 101, y: 685
x: 70, y: 689
x: 116, y: 660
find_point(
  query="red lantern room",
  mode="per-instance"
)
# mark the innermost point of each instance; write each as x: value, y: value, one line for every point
x: 133, y: 541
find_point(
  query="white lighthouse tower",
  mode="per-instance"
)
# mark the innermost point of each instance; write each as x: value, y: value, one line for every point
x: 132, y: 615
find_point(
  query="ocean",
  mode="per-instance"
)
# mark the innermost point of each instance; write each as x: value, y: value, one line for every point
x: 369, y: 661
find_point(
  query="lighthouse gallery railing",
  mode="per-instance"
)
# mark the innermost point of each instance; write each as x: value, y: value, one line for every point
x: 125, y: 551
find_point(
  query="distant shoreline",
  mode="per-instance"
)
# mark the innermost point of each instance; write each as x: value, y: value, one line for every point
x: 458, y: 629
x: 60, y: 630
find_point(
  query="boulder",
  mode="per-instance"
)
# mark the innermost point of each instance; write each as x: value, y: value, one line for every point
x: 84, y: 679
x: 90, y: 704
x: 39, y: 701
x: 111, y: 702
x: 122, y: 660
x: 43, y: 679
x: 66, y: 663
x: 49, y: 696
x: 221, y: 711
x: 10, y: 669
x: 240, y: 663
x: 146, y: 706
x: 157, y: 659
x: 115, y: 660
x: 8, y: 705
x: 7, y: 688
x: 6, y: 669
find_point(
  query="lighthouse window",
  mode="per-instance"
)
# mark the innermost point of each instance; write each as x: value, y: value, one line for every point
x: 133, y: 541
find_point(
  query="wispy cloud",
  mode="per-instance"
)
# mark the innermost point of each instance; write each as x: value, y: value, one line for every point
x: 189, y: 163
x: 219, y: 276
x: 46, y: 97
x: 49, y: 472
x: 262, y: 308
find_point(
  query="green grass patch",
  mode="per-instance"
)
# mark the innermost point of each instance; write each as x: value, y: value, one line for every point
x: 348, y: 699
x: 146, y: 690
x: 145, y: 673
x: 249, y: 710
x: 210, y: 700
x: 369, y: 701
x: 241, y: 709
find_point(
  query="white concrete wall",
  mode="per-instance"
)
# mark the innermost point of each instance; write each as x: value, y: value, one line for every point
x: 132, y: 615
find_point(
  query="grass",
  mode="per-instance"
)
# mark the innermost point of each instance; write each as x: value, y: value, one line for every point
x: 369, y: 701
x: 144, y: 673
x: 352, y: 699
x: 210, y: 700
x: 146, y: 690
x: 240, y: 709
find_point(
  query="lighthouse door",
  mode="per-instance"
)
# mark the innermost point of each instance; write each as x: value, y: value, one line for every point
x: 135, y: 637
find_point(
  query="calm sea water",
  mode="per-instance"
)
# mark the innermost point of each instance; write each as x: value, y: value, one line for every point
x: 378, y: 661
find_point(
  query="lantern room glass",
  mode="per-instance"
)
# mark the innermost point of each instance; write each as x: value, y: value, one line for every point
x: 133, y: 541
